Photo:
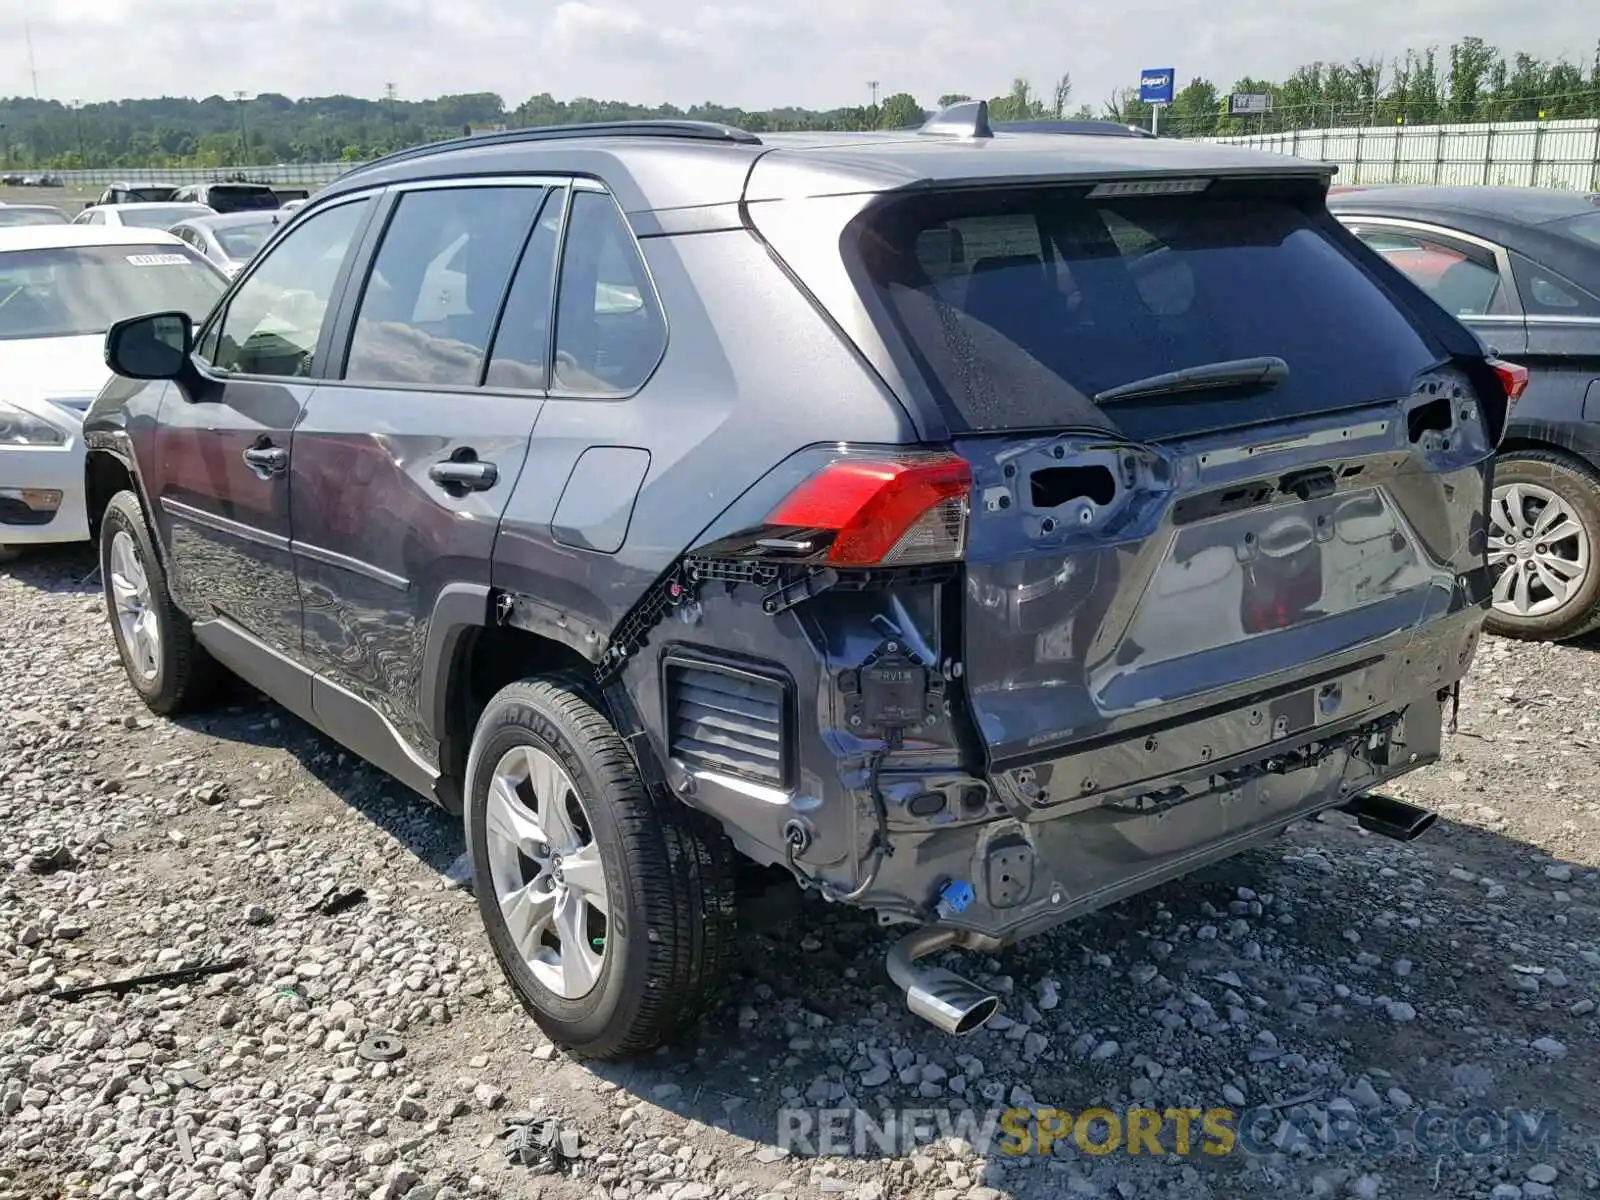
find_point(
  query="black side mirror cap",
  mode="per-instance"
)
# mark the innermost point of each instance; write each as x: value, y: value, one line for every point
x: 151, y: 347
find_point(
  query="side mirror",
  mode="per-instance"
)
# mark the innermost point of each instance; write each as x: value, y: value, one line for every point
x: 153, y: 347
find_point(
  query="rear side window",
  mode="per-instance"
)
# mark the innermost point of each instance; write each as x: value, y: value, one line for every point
x: 1020, y: 306
x: 1547, y: 294
x: 609, y: 330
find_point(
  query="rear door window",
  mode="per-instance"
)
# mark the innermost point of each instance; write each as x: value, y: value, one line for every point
x: 1020, y: 306
x: 1463, y: 279
x: 436, y: 284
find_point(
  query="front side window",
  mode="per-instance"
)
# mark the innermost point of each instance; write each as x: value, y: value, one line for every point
x: 430, y: 301
x: 274, y: 321
x: 610, y: 333
x: 75, y: 290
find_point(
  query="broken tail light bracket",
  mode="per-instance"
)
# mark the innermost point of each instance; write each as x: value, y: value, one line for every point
x: 1444, y: 420
x: 1066, y: 488
x: 797, y: 588
x: 675, y: 591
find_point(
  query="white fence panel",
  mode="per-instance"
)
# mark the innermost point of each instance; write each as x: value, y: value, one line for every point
x: 1558, y: 154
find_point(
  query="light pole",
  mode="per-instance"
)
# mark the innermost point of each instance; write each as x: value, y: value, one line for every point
x: 244, y: 130
x: 77, y: 117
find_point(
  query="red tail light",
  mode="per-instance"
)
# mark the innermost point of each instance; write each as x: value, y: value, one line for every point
x: 1513, y: 378
x: 885, y: 511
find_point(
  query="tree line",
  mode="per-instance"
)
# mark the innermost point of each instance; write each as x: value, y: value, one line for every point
x: 1470, y: 81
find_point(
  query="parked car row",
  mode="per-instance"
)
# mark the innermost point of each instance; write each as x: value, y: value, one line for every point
x: 228, y: 196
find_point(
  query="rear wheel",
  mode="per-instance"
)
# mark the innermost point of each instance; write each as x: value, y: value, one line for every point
x: 170, y: 670
x: 1544, y: 534
x: 608, y: 907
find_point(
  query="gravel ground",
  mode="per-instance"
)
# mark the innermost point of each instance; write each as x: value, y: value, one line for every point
x: 1334, y: 976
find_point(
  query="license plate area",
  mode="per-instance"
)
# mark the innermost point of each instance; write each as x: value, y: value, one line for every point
x: 1199, y: 741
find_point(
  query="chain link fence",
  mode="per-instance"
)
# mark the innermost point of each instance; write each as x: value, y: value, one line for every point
x: 1559, y: 154
x: 1554, y: 154
x: 296, y: 174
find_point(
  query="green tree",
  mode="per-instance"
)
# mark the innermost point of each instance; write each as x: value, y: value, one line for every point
x: 900, y: 111
x: 1195, y: 110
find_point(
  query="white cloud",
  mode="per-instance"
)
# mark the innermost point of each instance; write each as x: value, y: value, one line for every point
x: 820, y: 53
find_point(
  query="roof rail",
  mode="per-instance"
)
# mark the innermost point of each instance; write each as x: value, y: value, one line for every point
x: 970, y: 119
x: 709, y: 131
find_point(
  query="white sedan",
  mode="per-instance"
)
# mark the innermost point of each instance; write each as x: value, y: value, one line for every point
x: 151, y: 214
x: 61, y: 288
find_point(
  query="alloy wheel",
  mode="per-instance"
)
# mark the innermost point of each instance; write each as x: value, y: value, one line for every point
x: 135, y: 616
x: 548, y: 879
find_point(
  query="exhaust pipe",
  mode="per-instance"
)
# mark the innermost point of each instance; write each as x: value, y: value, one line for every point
x: 940, y: 997
x: 1390, y: 817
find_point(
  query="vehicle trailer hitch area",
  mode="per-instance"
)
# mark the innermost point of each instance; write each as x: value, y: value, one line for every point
x: 1390, y: 817
x: 940, y: 997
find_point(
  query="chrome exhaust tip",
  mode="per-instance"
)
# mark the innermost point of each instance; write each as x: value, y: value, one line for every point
x: 1390, y: 817
x: 942, y: 998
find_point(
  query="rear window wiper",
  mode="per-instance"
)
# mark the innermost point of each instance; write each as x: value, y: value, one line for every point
x: 1266, y: 372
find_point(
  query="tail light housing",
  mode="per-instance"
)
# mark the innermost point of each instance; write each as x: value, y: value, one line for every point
x: 1513, y: 377
x: 874, y: 511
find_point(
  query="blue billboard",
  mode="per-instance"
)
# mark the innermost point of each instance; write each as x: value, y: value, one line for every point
x: 1155, y: 85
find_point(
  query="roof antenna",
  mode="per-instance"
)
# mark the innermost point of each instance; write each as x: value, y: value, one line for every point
x: 970, y: 119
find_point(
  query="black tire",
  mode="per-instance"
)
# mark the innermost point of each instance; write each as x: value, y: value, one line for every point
x: 186, y: 678
x: 669, y: 875
x: 1578, y: 486
x: 9, y: 554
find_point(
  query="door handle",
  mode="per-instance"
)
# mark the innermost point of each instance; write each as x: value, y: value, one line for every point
x: 461, y: 475
x: 266, y: 460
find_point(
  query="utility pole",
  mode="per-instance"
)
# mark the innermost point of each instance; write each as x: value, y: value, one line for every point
x: 873, y: 84
x: 244, y: 130
x: 27, y: 36
x: 77, y: 116
x: 390, y: 92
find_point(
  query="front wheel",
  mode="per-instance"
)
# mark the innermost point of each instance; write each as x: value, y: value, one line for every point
x: 608, y: 907
x: 169, y: 669
x: 1544, y: 532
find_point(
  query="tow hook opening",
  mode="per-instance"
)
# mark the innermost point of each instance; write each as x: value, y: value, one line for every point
x: 1390, y: 817
x: 942, y: 998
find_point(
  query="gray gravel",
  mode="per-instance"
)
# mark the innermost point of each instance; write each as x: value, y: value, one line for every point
x: 1333, y: 976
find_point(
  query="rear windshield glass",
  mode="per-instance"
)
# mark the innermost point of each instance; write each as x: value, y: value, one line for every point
x: 163, y: 216
x: 239, y: 198
x: 1021, y: 306
x: 1586, y: 227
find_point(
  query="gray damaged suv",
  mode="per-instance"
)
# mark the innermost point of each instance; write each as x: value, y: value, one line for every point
x: 981, y: 526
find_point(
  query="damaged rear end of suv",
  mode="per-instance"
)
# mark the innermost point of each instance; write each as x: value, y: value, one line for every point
x: 978, y: 527
x: 1191, y: 545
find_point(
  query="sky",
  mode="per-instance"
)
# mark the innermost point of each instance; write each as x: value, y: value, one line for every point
x: 748, y: 53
